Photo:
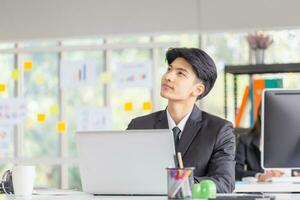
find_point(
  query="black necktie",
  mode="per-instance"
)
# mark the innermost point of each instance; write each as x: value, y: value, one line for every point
x: 176, y: 132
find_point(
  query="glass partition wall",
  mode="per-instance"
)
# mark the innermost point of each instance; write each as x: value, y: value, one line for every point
x: 71, y: 85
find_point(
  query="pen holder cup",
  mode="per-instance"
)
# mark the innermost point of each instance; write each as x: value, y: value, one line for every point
x: 180, y: 182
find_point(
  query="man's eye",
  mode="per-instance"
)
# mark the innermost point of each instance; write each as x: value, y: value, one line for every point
x: 169, y: 68
x: 181, y: 74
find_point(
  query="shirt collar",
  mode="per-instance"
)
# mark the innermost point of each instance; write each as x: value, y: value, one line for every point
x: 181, y: 124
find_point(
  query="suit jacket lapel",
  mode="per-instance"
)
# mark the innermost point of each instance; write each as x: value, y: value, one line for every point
x: 191, y: 129
x: 162, y: 121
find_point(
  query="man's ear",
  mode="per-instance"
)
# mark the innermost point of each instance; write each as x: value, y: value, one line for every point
x: 199, y: 88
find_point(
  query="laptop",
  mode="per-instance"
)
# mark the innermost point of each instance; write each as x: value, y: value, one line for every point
x: 131, y: 162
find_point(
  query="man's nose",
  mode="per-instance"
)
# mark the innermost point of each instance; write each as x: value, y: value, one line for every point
x: 169, y: 76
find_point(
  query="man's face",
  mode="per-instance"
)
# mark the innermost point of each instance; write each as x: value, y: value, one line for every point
x: 180, y: 81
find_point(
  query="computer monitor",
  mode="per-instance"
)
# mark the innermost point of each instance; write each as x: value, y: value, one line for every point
x: 280, y: 129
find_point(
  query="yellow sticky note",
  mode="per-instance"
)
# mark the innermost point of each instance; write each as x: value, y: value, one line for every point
x: 106, y: 77
x: 2, y: 87
x: 15, y: 74
x: 61, y: 127
x: 147, y: 105
x: 41, y: 117
x: 39, y: 79
x: 54, y: 109
x: 27, y: 65
x: 128, y: 106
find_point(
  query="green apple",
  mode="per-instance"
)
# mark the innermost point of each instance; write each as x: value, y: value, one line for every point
x: 204, y: 190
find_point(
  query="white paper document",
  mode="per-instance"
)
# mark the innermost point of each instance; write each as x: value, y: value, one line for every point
x: 4, y: 140
x: 77, y: 73
x: 94, y: 119
x: 12, y: 111
x: 136, y: 74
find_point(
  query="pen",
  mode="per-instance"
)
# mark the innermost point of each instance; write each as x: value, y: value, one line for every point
x: 176, y: 161
x: 180, y: 163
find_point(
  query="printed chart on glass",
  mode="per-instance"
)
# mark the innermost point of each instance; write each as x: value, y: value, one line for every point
x: 135, y: 74
x: 92, y: 119
x: 77, y: 73
x: 12, y: 111
x: 4, y: 140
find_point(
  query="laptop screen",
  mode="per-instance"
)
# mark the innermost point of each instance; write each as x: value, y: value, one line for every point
x: 125, y: 162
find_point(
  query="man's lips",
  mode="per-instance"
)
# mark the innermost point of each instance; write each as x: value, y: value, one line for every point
x: 167, y: 86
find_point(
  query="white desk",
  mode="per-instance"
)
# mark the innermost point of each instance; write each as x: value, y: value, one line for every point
x: 83, y: 197
x: 91, y: 197
x: 267, y: 187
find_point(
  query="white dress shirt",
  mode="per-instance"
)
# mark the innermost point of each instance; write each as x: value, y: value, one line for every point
x: 180, y: 125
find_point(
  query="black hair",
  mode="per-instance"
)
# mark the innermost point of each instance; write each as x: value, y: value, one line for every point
x: 203, y: 65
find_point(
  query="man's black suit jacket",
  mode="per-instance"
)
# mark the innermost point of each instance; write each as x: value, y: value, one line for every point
x: 207, y: 143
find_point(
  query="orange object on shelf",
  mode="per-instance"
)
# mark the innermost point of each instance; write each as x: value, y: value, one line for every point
x: 242, y: 107
x: 258, y: 87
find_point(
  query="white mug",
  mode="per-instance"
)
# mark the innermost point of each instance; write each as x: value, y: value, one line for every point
x: 23, y: 179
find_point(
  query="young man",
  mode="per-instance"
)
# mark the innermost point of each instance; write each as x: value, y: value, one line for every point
x: 206, y: 142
